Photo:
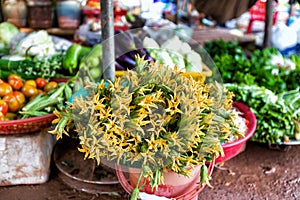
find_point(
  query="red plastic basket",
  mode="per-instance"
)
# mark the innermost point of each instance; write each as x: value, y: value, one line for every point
x: 28, y: 125
x: 234, y: 148
x: 60, y: 80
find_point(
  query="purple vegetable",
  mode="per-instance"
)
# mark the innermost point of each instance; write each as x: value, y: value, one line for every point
x: 132, y: 54
x: 119, y: 67
x: 142, y: 51
x: 149, y: 58
x: 126, y: 61
x: 124, y: 42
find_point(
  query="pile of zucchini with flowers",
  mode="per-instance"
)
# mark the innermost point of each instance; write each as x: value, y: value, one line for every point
x: 152, y: 118
x: 268, y: 82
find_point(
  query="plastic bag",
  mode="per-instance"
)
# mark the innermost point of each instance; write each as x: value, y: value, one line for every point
x: 283, y: 37
x: 296, y: 26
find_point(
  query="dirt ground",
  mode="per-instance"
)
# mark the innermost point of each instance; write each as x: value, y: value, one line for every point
x: 257, y: 173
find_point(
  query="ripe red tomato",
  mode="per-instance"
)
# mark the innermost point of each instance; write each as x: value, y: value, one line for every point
x: 40, y: 82
x: 50, y: 86
x: 14, y: 76
x: 3, y: 107
x: 30, y: 82
x: 29, y: 90
x: 5, y: 89
x: 15, y: 83
x: 20, y: 97
x: 12, y: 102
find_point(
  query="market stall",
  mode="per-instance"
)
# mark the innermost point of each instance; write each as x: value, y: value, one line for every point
x: 147, y: 100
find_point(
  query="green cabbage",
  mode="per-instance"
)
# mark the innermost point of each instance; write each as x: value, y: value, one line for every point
x: 7, y: 32
x: 36, y: 44
x: 174, y: 52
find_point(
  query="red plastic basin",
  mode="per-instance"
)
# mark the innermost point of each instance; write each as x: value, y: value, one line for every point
x: 232, y: 149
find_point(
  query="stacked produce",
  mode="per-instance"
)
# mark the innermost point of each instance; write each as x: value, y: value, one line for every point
x: 31, y: 68
x: 174, y: 52
x: 267, y: 82
x: 38, y: 55
x: 30, y: 55
x: 27, y: 65
x: 22, y: 99
x: 86, y: 62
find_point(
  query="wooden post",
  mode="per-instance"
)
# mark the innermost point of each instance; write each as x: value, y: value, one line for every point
x: 108, y: 44
x: 268, y: 24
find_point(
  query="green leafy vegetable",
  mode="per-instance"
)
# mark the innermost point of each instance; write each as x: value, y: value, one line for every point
x: 31, y: 68
x: 236, y: 67
x: 7, y: 32
x: 173, y: 53
x: 47, y: 103
x: 271, y: 91
x: 274, y: 117
x: 36, y: 44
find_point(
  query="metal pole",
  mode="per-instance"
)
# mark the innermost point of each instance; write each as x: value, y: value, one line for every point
x: 177, y: 11
x: 268, y: 24
x: 108, y: 44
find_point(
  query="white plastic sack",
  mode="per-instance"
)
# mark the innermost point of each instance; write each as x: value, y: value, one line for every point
x: 283, y: 37
x: 296, y: 26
